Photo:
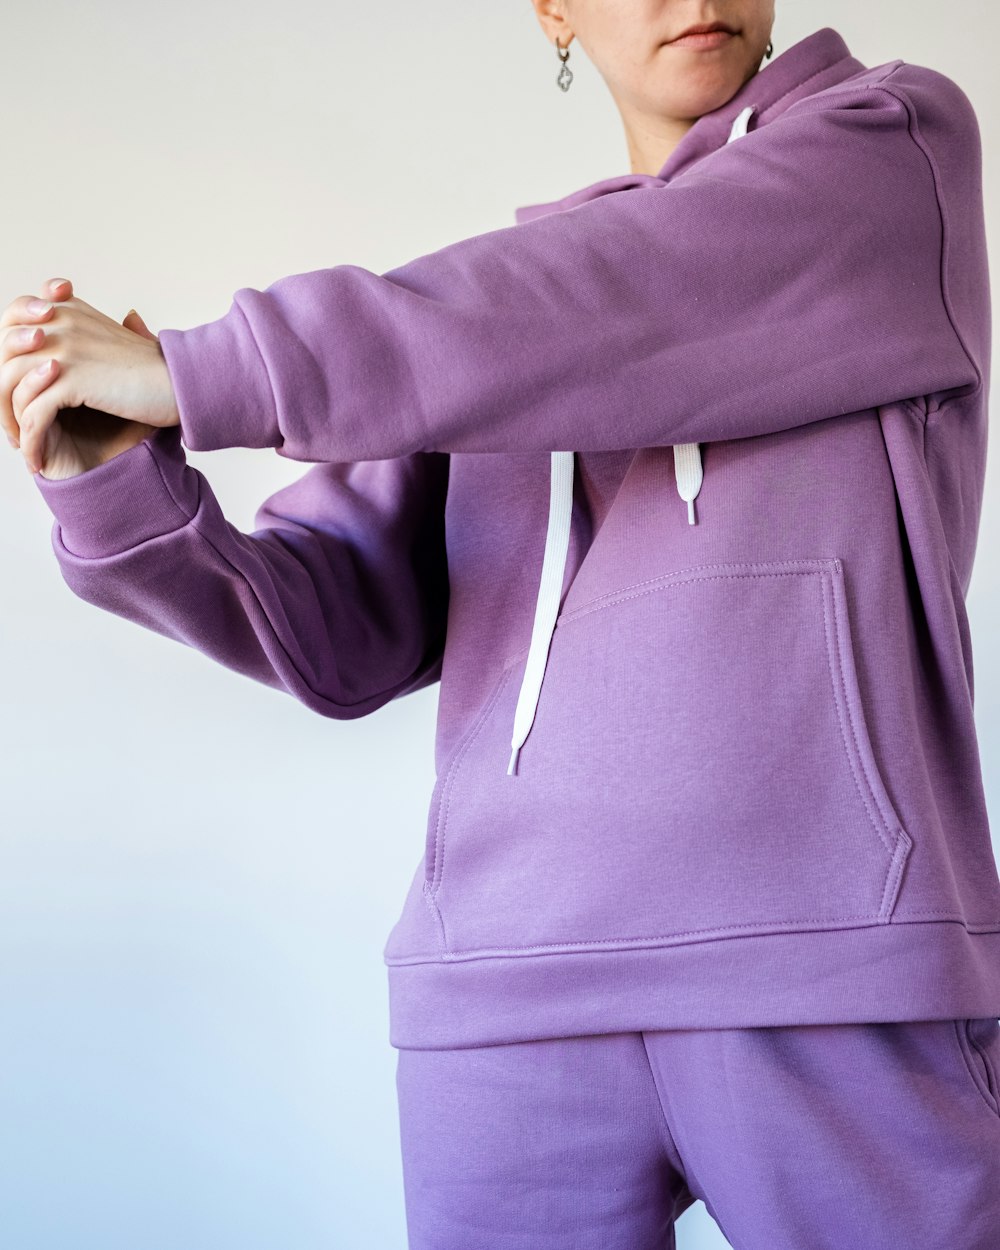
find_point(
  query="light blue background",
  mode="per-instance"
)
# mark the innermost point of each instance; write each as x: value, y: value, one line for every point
x: 197, y: 875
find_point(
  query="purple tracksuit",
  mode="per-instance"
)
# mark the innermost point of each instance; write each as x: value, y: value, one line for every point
x: 675, y: 486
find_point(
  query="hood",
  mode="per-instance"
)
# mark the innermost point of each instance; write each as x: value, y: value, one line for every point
x: 804, y: 69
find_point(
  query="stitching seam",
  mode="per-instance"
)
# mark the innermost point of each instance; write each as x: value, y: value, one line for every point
x: 672, y: 1141
x: 913, y: 130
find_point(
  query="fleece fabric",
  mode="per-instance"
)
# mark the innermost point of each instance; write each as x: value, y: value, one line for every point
x: 815, y: 1137
x: 750, y: 792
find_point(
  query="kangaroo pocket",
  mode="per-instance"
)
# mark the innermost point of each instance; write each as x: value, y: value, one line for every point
x: 699, y: 766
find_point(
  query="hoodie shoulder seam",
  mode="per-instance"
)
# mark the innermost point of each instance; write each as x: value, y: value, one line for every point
x: 913, y: 129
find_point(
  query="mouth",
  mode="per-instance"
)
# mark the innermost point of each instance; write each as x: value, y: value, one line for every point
x: 705, y: 35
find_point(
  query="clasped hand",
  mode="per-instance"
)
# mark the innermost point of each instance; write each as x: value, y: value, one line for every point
x: 77, y: 387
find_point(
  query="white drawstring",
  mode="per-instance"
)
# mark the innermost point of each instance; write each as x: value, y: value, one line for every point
x: 740, y: 124
x: 688, y: 475
x: 687, y: 470
x: 549, y: 596
x: 687, y: 456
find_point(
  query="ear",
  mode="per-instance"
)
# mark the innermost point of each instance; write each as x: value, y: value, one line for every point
x: 554, y: 21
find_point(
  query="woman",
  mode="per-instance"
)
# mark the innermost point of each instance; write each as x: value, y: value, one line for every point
x: 709, y: 907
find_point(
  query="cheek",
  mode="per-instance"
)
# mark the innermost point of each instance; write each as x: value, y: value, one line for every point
x: 758, y: 18
x: 618, y: 35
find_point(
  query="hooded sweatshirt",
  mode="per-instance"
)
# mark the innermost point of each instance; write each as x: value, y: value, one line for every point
x: 674, y: 485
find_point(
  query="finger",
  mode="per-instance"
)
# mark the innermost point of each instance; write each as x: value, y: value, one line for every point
x: 132, y: 321
x: 19, y: 346
x: 58, y: 289
x: 37, y: 407
x: 30, y: 309
x: 27, y: 310
x: 18, y: 339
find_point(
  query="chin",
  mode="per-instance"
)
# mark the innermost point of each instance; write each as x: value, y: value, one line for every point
x: 705, y: 97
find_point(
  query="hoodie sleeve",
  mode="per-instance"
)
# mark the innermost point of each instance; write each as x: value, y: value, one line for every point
x: 339, y: 596
x: 791, y: 276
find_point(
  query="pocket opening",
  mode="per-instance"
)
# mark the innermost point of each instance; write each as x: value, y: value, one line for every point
x: 978, y: 1060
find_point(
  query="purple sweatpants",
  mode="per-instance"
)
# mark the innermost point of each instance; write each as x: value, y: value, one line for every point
x: 813, y: 1137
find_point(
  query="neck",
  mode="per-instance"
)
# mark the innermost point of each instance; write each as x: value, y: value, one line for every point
x: 651, y: 142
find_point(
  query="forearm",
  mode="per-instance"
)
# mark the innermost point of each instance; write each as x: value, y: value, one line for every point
x: 295, y: 605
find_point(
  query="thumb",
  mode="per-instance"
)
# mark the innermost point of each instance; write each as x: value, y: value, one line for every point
x: 132, y: 321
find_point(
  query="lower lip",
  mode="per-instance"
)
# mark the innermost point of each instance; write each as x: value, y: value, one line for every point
x: 705, y: 40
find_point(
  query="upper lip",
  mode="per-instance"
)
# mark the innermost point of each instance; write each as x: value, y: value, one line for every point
x: 703, y: 28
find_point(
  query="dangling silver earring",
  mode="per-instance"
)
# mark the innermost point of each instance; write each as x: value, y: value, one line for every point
x: 565, y: 73
x: 768, y: 50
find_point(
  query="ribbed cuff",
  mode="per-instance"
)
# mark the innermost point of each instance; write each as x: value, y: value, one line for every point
x: 139, y: 494
x: 223, y: 393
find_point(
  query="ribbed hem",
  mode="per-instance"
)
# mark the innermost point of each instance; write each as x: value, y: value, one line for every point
x: 223, y: 392
x: 908, y: 971
x: 141, y: 493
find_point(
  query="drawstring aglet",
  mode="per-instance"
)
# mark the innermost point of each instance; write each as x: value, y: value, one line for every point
x: 688, y: 474
x: 512, y: 766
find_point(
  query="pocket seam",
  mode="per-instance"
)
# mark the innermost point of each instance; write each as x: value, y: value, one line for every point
x: 965, y: 1046
x: 876, y: 809
x: 868, y: 786
x: 991, y: 1070
x: 891, y: 834
x: 440, y: 816
x: 613, y: 598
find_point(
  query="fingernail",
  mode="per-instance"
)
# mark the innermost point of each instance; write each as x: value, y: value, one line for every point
x: 13, y: 441
x: 44, y: 367
x: 38, y: 305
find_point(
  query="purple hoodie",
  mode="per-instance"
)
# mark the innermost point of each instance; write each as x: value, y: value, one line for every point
x: 675, y: 486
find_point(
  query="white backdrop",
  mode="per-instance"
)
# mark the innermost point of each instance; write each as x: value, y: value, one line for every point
x: 197, y: 874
